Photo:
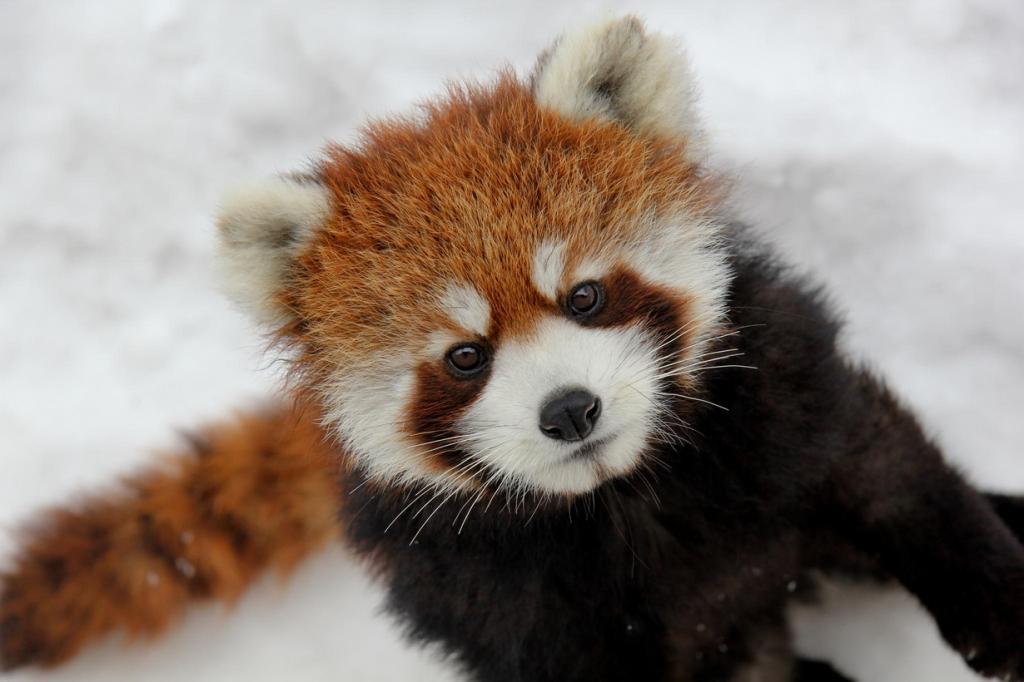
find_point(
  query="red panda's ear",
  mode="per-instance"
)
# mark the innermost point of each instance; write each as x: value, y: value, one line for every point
x: 614, y: 70
x: 262, y: 228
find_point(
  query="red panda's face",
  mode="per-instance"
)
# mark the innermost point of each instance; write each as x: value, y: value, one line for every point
x: 503, y: 293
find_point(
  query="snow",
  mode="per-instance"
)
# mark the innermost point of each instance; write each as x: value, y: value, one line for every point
x: 880, y: 144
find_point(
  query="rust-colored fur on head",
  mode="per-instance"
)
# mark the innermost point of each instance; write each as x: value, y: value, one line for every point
x: 466, y: 193
x: 254, y: 494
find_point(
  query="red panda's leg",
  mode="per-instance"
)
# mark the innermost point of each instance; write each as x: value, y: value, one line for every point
x: 895, y: 499
x: 1011, y: 510
x: 259, y: 492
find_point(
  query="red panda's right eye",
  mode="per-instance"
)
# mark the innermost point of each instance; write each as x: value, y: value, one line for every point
x: 467, y: 359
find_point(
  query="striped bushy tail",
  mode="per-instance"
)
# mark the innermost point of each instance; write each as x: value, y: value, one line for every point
x: 260, y: 492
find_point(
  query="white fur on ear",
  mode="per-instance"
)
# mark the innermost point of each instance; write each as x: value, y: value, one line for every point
x: 263, y: 227
x: 615, y: 71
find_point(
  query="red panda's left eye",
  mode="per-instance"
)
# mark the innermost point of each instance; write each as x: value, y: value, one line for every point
x: 586, y: 299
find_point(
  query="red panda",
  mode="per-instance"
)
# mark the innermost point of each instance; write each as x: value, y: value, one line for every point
x: 579, y: 424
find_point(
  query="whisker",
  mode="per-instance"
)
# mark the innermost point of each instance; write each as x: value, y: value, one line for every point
x: 406, y: 508
x: 475, y: 499
x: 427, y: 520
x: 699, y: 400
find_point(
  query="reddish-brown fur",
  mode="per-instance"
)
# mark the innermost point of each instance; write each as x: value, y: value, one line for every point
x: 465, y: 193
x: 439, y: 401
x: 258, y: 493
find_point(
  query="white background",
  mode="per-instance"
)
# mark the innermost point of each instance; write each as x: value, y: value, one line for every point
x: 879, y: 143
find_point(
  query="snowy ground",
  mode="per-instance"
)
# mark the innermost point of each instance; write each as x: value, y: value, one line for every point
x: 881, y: 144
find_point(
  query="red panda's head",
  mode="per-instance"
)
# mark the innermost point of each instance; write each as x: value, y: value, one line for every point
x: 509, y: 290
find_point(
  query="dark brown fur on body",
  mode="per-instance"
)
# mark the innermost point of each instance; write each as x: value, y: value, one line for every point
x: 678, y: 581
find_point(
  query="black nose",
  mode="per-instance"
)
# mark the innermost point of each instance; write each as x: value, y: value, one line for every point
x: 570, y: 416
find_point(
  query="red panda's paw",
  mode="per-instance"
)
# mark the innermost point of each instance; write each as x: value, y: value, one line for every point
x: 1011, y: 510
x: 998, y: 663
x: 992, y: 641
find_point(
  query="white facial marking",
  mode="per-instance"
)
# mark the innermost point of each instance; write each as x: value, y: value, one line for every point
x: 368, y: 410
x: 439, y: 342
x: 467, y: 308
x: 548, y: 267
x: 591, y: 269
x: 685, y: 255
x: 619, y: 366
